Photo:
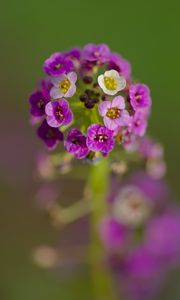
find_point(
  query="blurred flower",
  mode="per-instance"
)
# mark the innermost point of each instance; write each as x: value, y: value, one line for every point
x: 162, y: 237
x: 138, y: 123
x: 113, y: 234
x: 45, y: 256
x: 131, y: 207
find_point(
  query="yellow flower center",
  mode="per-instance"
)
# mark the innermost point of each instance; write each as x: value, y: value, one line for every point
x: 110, y: 83
x: 64, y: 85
x: 113, y: 113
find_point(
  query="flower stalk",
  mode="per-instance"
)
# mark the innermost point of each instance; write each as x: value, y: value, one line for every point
x: 98, y: 187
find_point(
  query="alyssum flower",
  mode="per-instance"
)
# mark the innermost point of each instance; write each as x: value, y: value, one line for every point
x: 89, y: 95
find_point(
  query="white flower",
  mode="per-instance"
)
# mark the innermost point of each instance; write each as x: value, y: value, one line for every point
x: 131, y: 207
x: 111, y: 82
x: 63, y: 85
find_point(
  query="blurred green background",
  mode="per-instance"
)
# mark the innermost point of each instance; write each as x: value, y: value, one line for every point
x: 147, y: 34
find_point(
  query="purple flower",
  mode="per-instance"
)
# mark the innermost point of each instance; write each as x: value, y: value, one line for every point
x: 100, y: 138
x: 114, y: 113
x: 116, y: 62
x: 74, y: 55
x: 76, y: 143
x: 96, y: 53
x: 139, y: 95
x: 58, y: 113
x: 162, y: 237
x: 113, y: 234
x: 38, y: 102
x: 57, y: 64
x: 138, y: 123
x: 50, y: 136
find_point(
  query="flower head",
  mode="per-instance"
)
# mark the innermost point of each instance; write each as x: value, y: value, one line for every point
x: 111, y: 82
x: 63, y: 85
x: 114, y: 113
x: 96, y: 53
x: 50, y: 136
x: 57, y: 64
x: 139, y: 95
x: 116, y: 62
x: 100, y: 138
x: 76, y: 143
x: 58, y: 113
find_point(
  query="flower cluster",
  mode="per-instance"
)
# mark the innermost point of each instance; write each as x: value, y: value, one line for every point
x: 89, y: 101
x: 141, y: 235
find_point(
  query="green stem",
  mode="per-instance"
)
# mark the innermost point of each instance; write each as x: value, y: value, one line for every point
x: 101, y: 277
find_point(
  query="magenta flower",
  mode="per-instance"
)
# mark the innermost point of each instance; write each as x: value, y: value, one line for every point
x: 116, y: 62
x: 139, y: 95
x: 76, y: 143
x: 138, y: 123
x: 58, y: 113
x: 38, y: 102
x: 50, y: 136
x: 96, y: 53
x: 114, y: 113
x: 100, y: 138
x: 113, y: 234
x: 74, y: 55
x: 57, y: 64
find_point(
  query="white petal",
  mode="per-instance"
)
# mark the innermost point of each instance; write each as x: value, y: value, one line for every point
x: 56, y: 80
x: 55, y: 93
x: 112, y: 73
x: 71, y: 91
x: 121, y: 83
x: 72, y: 76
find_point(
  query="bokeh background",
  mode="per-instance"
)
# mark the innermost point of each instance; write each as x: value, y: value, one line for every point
x: 147, y: 34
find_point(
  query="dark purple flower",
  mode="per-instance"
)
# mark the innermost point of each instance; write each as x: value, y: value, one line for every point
x: 50, y: 136
x: 139, y: 95
x: 138, y: 123
x: 38, y: 102
x: 116, y: 62
x: 99, y: 138
x: 58, y: 113
x: 96, y: 53
x: 57, y: 64
x: 113, y: 234
x: 76, y: 143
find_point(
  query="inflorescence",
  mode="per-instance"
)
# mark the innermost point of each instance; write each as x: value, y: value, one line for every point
x: 90, y: 102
